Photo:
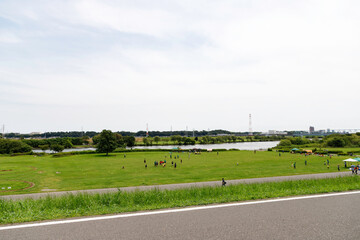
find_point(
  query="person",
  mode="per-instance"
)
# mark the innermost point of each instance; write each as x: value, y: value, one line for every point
x: 172, y: 162
x: 295, y: 165
x: 328, y: 166
x: 123, y: 167
x: 217, y: 153
x: 305, y: 163
x: 352, y: 169
x: 356, y: 169
x: 237, y: 164
x: 338, y: 167
x: 175, y: 165
x: 144, y: 160
x: 345, y: 164
x: 328, y: 162
x: 279, y: 154
x: 223, y: 183
x: 124, y: 155
x: 180, y: 160
x: 145, y: 165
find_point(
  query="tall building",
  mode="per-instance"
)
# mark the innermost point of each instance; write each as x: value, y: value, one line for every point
x: 311, y: 129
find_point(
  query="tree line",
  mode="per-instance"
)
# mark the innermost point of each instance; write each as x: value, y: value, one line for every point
x: 333, y: 140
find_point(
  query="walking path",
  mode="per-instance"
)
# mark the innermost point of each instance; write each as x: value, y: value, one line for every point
x: 181, y: 185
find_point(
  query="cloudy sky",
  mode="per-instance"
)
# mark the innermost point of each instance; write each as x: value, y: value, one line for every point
x: 118, y: 65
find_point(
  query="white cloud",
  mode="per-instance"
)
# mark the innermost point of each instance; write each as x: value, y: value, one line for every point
x: 156, y: 60
x: 8, y: 37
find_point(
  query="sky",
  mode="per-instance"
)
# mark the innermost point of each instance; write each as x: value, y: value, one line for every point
x: 102, y: 64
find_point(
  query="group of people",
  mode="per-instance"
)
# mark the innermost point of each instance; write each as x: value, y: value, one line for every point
x: 354, y: 169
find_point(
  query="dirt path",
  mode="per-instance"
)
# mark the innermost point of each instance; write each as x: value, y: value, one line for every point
x: 182, y: 185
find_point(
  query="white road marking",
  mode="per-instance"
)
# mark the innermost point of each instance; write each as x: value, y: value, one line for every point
x: 86, y: 219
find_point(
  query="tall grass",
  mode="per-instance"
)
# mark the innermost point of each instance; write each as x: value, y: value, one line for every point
x: 86, y: 204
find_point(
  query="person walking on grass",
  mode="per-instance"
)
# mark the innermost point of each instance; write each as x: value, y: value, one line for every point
x: 305, y: 163
x: 338, y: 167
x: 294, y: 165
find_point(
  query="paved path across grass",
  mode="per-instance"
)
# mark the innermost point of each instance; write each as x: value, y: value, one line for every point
x: 182, y: 185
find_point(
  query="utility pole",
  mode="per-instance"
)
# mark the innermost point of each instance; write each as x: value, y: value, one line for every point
x: 186, y: 132
x: 147, y: 130
x: 3, y: 131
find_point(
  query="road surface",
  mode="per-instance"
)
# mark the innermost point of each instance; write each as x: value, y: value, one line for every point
x: 328, y: 216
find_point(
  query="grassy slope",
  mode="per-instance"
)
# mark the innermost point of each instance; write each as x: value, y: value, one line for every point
x: 85, y: 205
x: 97, y: 171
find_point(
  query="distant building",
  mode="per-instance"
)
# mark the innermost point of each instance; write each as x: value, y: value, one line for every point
x: 311, y: 129
x: 274, y: 132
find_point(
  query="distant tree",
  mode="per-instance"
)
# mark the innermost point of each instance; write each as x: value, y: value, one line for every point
x: 44, y: 147
x: 335, y: 142
x: 95, y: 139
x: 285, y: 142
x: 68, y: 144
x: 8, y: 146
x: 157, y: 139
x: 107, y: 142
x: 119, y: 140
x: 57, y: 148
x: 86, y: 140
x: 146, y: 141
x: 129, y: 141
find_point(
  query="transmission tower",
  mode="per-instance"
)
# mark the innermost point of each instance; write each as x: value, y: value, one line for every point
x: 250, y: 127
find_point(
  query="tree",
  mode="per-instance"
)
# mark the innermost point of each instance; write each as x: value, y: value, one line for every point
x: 44, y: 147
x: 13, y: 146
x: 119, y: 140
x: 107, y: 142
x: 129, y: 141
x: 68, y: 144
x: 157, y: 139
x: 57, y: 148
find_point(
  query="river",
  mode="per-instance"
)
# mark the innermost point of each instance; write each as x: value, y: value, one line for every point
x: 238, y: 145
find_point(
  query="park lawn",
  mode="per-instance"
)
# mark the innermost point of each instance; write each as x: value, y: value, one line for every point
x: 92, y: 171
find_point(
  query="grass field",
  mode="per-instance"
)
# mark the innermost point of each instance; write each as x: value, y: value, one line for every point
x: 91, y: 171
x: 110, y: 203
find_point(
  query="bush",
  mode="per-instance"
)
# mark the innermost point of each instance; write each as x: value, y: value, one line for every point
x: 57, y: 147
x: 8, y: 146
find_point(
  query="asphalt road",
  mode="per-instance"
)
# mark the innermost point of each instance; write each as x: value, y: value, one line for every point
x: 330, y: 217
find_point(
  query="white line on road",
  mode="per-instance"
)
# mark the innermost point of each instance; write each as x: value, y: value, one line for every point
x: 173, y: 210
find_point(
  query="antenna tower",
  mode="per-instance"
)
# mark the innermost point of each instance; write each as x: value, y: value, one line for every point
x: 250, y: 127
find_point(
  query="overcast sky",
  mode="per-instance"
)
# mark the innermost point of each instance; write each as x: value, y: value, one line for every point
x: 67, y: 65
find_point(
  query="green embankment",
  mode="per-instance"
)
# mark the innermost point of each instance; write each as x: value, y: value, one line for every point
x: 86, y: 205
x: 92, y: 171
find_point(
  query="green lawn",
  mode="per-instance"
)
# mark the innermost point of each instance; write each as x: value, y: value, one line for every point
x: 90, y: 171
